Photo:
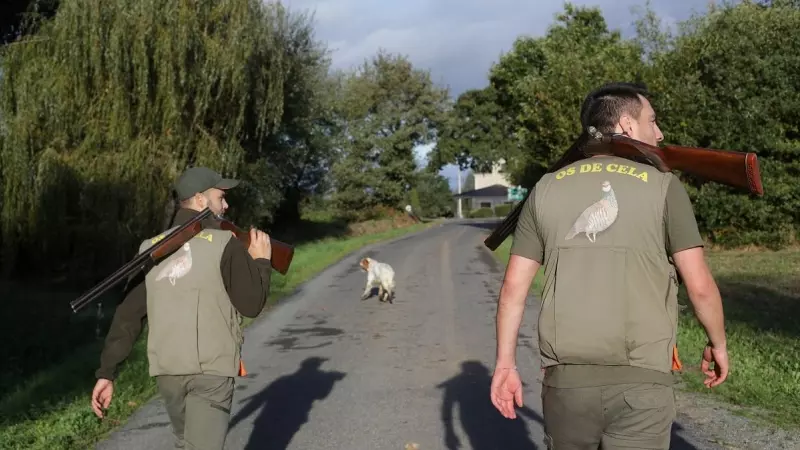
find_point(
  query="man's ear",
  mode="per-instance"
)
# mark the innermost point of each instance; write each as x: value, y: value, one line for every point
x: 200, y: 200
x: 625, y: 124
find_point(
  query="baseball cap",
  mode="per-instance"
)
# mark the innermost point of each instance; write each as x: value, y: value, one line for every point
x: 198, y: 179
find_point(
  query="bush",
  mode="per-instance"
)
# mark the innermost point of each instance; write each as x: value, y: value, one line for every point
x: 481, y: 213
x: 502, y: 210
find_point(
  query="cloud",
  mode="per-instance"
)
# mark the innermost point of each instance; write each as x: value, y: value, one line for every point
x: 457, y: 40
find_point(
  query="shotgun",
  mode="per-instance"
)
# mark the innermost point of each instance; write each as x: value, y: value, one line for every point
x: 731, y: 168
x: 282, y: 254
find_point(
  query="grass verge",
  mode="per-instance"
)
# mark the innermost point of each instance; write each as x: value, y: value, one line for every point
x: 51, y: 409
x: 761, y: 298
x: 503, y: 253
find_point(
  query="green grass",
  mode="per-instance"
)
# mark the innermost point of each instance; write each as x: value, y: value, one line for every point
x: 503, y: 252
x: 51, y: 409
x: 761, y: 298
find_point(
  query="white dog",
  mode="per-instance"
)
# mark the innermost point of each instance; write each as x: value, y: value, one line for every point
x: 381, y: 275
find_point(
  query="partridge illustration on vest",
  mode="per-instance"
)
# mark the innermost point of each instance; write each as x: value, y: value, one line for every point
x: 178, y: 267
x: 597, y: 217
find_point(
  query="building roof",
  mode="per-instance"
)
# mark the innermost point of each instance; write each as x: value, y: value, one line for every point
x: 495, y: 190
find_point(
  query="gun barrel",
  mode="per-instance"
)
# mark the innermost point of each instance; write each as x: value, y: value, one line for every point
x: 136, y: 264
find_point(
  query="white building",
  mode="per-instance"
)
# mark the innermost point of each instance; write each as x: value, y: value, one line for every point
x: 496, y: 177
x: 491, y: 189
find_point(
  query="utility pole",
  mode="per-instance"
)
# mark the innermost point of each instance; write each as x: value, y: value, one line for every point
x: 460, y: 216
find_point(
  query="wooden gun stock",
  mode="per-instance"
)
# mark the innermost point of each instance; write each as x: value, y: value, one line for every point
x: 174, y: 241
x: 737, y: 169
x: 282, y: 253
x: 731, y: 168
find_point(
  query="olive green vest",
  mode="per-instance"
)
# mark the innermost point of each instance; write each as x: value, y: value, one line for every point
x: 192, y: 326
x: 610, y: 290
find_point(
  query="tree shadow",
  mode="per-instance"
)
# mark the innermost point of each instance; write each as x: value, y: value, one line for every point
x: 285, y: 404
x: 488, y: 224
x: 303, y: 231
x: 485, y: 427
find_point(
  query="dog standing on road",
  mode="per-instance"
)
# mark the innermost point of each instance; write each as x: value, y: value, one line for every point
x: 381, y: 275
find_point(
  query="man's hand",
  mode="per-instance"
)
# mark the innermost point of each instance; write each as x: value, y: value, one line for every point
x: 101, y: 396
x: 259, y: 244
x: 717, y: 375
x: 506, y: 388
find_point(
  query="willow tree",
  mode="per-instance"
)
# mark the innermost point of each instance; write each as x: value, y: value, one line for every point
x: 110, y: 100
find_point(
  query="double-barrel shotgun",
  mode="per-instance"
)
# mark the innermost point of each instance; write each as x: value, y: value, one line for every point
x: 282, y: 254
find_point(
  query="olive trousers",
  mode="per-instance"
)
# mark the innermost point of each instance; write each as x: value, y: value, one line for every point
x: 620, y: 416
x: 199, y: 407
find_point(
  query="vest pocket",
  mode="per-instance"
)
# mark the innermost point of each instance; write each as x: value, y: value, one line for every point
x: 173, y: 336
x: 589, y: 307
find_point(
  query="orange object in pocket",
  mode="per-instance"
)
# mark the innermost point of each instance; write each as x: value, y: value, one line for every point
x: 242, y: 370
x: 676, y: 362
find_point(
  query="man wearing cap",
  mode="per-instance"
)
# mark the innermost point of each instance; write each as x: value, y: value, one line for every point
x: 193, y: 301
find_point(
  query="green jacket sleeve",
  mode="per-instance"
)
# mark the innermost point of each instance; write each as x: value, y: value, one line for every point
x: 247, y: 280
x: 126, y: 326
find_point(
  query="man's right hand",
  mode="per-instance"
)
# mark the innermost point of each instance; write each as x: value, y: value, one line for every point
x: 259, y: 245
x: 717, y: 375
x: 506, y: 389
x: 101, y: 396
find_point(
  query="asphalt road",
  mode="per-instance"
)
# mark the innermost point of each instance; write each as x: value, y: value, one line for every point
x: 329, y: 371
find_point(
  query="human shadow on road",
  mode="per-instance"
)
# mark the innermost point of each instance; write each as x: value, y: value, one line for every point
x: 485, y: 427
x: 286, y: 403
x: 677, y: 442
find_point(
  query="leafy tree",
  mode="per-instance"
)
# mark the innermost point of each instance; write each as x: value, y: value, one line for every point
x: 435, y: 196
x: 730, y: 81
x: 469, y: 182
x: 530, y: 114
x: 387, y: 107
x: 476, y: 132
x: 727, y: 79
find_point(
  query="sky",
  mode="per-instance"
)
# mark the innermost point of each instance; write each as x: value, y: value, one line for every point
x: 457, y: 40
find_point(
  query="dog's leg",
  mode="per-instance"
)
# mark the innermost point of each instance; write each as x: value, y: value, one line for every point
x: 390, y: 291
x: 368, y: 287
x: 381, y: 293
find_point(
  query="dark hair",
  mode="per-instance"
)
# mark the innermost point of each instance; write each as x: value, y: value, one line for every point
x: 603, y: 107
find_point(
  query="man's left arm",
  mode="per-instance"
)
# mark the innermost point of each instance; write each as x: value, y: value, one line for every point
x: 527, y: 253
x: 247, y: 280
x: 126, y: 326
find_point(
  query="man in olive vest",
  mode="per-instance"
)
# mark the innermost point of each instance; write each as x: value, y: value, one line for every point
x: 193, y: 300
x: 613, y: 236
